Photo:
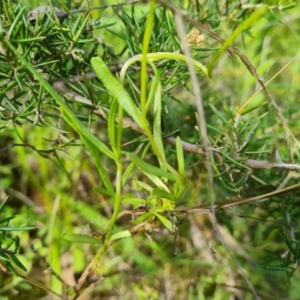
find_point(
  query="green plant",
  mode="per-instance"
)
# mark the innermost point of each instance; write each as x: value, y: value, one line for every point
x: 7, y: 243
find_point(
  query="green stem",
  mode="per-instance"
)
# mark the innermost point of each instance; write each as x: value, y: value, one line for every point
x: 159, y: 56
x: 117, y: 207
x: 145, y: 46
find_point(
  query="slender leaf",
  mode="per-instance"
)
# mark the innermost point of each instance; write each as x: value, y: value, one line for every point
x: 17, y: 262
x: 157, y: 131
x: 80, y: 238
x: 116, y: 89
x: 167, y: 223
x: 120, y: 235
x: 180, y: 156
x: 17, y: 228
x: 134, y: 201
x: 147, y: 168
x: 3, y: 203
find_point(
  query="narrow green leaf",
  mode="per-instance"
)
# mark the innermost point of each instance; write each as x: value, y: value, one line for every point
x: 154, y: 86
x: 116, y: 89
x: 4, y: 257
x: 111, y: 127
x: 180, y: 156
x: 3, y: 203
x: 167, y: 223
x: 16, y: 20
x: 157, y: 132
x: 6, y: 219
x: 17, y: 243
x: 220, y: 116
x: 142, y: 218
x: 243, y: 26
x: 17, y: 228
x: 120, y: 235
x: 11, y: 268
x: 134, y: 201
x: 81, y: 28
x: 28, y: 40
x: 17, y: 262
x: 127, y: 173
x: 280, y: 268
x: 80, y: 238
x: 101, y: 170
x: 144, y: 185
x: 102, y: 191
x: 157, y: 181
x: 252, y: 106
x: 234, y: 161
x: 159, y: 193
x: 144, y: 61
x: 147, y: 168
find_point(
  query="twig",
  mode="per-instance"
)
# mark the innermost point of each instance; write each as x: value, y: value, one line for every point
x: 201, y: 208
x: 232, y: 51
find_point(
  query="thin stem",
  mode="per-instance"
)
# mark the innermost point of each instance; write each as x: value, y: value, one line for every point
x: 145, y: 47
